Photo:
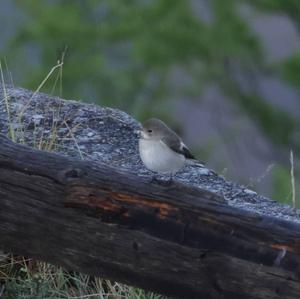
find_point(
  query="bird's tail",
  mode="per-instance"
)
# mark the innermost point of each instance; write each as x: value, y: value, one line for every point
x: 195, y: 162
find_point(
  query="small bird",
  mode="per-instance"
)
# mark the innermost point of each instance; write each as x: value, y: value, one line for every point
x: 161, y: 149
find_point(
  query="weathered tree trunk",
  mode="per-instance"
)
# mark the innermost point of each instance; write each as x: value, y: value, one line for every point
x: 166, y: 237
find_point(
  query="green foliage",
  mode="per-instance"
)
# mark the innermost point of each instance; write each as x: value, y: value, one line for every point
x: 121, y: 53
x: 277, y: 124
x: 290, y: 69
x: 290, y: 7
x: 281, y: 182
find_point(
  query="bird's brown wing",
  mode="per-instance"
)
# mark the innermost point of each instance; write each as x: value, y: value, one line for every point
x: 187, y: 152
x: 174, y: 142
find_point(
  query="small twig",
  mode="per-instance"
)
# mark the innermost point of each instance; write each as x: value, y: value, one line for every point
x: 6, y: 100
x: 58, y: 65
x: 280, y: 257
x: 2, y: 288
x: 293, y: 179
x: 74, y: 139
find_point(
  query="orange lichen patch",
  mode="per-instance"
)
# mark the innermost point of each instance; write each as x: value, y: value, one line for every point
x: 142, y: 201
x: 163, y: 212
x: 84, y: 196
x: 108, y: 206
x: 126, y: 214
x: 163, y: 209
x: 286, y: 247
x: 113, y: 201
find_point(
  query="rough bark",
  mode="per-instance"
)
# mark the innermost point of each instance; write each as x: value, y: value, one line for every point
x: 163, y: 236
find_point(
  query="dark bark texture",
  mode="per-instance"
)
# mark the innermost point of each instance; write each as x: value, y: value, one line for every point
x: 104, y: 217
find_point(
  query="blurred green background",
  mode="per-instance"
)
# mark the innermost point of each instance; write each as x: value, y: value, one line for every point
x: 225, y: 74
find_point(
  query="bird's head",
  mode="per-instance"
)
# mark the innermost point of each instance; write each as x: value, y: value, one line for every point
x: 153, y: 129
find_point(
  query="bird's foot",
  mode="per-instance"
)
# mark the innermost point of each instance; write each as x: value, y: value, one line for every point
x: 162, y: 180
x: 155, y: 179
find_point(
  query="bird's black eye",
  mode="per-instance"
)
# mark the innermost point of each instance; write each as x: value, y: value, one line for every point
x: 149, y: 131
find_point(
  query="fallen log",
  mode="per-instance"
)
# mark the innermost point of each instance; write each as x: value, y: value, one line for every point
x: 166, y: 237
x: 197, y: 237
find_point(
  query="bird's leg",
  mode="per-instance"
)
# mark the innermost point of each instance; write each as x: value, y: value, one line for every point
x: 154, y: 178
x: 169, y: 180
x: 164, y: 181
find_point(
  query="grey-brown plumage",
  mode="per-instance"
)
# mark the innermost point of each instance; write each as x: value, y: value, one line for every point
x: 169, y: 137
x: 161, y: 149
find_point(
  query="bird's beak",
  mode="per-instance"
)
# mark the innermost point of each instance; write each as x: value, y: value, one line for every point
x: 141, y: 134
x: 144, y: 135
x: 138, y: 132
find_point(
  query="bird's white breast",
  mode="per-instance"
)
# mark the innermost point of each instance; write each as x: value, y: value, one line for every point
x: 158, y: 157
